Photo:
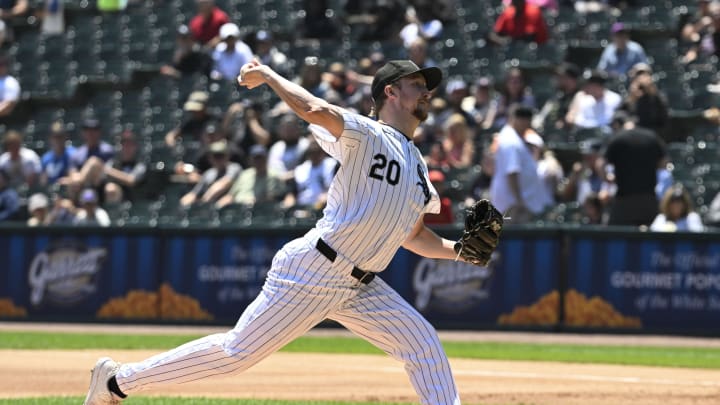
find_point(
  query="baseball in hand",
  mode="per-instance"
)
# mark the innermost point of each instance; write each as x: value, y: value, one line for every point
x: 243, y: 70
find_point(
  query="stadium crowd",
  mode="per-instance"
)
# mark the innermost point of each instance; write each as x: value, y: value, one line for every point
x: 593, y: 150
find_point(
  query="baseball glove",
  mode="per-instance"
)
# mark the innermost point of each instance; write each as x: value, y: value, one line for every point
x: 483, y: 225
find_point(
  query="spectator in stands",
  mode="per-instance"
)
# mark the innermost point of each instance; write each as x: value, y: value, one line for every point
x: 39, y: 209
x: 437, y: 157
x: 288, y: 151
x: 251, y: 130
x: 369, y: 65
x: 676, y: 213
x: 62, y: 212
x: 553, y: 113
x: 87, y: 164
x: 257, y: 184
x: 56, y: 161
x: 516, y: 188
x: 482, y: 106
x: 311, y: 179
x: 268, y: 54
x: 646, y: 103
x: 339, y: 87
x: 549, y: 169
x: 194, y: 123
x: 621, y: 54
x: 712, y: 217
x: 458, y: 142
x: 21, y: 164
x: 199, y: 161
x: 706, y: 40
x: 594, y: 106
x: 10, y: 9
x: 216, y: 181
x: 125, y: 171
x: 9, y: 88
x: 9, y: 199
x: 639, y: 69
x: 417, y: 52
x: 635, y: 155
x: 480, y: 187
x: 230, y: 54
x: 514, y: 91
x: 311, y: 77
x: 53, y: 18
x: 710, y: 42
x: 188, y: 57
x: 445, y: 216
x: 373, y: 20
x: 361, y: 102
x: 697, y: 25
x: 90, y: 212
x: 520, y: 21
x: 588, y: 175
x: 421, y: 23
x: 318, y: 23
x: 205, y: 25
x: 40, y: 213
x: 593, y: 210
x: 456, y: 90
x: 621, y: 120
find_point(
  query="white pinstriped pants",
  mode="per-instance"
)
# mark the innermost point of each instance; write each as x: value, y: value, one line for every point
x: 302, y: 289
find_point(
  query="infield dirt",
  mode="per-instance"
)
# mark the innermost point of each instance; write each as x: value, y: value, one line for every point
x: 377, y: 378
x: 33, y: 373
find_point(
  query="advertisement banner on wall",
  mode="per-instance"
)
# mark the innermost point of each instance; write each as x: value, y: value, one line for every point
x: 73, y: 276
x: 650, y: 284
x: 517, y: 288
x: 221, y: 274
x: 212, y: 277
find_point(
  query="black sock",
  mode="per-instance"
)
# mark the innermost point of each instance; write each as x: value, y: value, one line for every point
x: 113, y: 387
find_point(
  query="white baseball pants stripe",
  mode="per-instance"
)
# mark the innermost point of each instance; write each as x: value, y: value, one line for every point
x: 302, y: 289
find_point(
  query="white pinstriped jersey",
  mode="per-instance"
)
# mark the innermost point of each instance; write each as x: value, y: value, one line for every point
x: 378, y: 194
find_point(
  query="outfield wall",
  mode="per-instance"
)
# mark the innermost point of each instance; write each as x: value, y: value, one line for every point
x: 546, y: 278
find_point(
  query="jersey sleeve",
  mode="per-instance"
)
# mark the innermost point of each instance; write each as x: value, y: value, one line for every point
x: 356, y: 133
x: 433, y: 206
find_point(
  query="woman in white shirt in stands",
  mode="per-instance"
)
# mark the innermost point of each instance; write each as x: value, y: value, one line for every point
x: 676, y: 212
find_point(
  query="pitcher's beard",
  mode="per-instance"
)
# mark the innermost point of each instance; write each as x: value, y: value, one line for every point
x: 420, y: 114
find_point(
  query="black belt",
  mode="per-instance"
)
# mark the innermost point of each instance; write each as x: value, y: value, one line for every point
x: 363, y: 276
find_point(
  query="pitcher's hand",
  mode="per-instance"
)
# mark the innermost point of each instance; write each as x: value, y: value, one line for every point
x: 251, y: 74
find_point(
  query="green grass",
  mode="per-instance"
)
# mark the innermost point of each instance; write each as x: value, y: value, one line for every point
x: 187, y: 401
x: 630, y: 355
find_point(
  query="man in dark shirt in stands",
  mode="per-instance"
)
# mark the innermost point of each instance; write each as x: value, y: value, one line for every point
x: 216, y: 181
x: 88, y: 161
x: 552, y: 115
x: 124, y: 171
x: 194, y: 124
x: 188, y: 57
x: 635, y: 155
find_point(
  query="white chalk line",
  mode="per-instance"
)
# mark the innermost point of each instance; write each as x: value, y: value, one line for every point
x: 572, y: 377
